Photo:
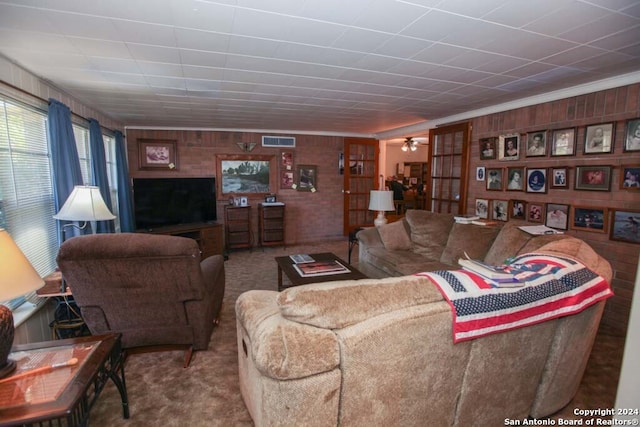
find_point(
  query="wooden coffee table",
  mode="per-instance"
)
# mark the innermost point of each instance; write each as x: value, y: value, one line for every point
x: 285, y: 264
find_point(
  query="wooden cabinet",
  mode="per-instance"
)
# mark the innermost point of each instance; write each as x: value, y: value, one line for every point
x: 208, y: 236
x: 238, y: 226
x: 271, y: 223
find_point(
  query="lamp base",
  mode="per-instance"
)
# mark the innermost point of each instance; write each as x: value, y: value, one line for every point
x: 380, y: 219
x: 6, y: 341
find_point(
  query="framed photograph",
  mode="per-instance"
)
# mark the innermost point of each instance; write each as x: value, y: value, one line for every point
x: 632, y: 135
x: 482, y: 208
x: 244, y: 201
x: 500, y: 210
x: 515, y: 179
x: 517, y: 209
x: 246, y: 174
x: 480, y: 173
x: 536, y: 180
x: 597, y: 178
x: 625, y: 226
x: 563, y: 142
x: 508, y: 147
x: 535, y: 212
x: 630, y: 177
x: 286, y: 160
x: 598, y: 139
x: 286, y: 180
x: 589, y: 218
x: 557, y: 216
x: 307, y: 178
x: 537, y: 143
x: 157, y: 154
x: 559, y: 178
x: 488, y: 148
x: 271, y: 198
x: 494, y: 179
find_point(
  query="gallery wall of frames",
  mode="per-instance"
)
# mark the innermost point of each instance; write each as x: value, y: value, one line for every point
x: 572, y: 165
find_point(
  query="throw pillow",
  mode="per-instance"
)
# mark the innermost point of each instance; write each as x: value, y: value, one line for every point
x: 394, y: 236
x: 429, y: 231
x: 473, y: 239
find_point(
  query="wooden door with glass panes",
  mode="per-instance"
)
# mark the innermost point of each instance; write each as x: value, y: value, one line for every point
x: 360, y: 177
x: 449, y: 161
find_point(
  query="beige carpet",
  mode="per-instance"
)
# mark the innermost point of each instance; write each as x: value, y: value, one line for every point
x: 161, y: 392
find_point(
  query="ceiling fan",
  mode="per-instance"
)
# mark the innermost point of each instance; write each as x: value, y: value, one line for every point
x: 410, y: 144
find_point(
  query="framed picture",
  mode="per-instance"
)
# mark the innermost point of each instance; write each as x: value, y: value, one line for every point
x: 271, y: 198
x: 286, y: 180
x: 536, y: 180
x: 517, y: 209
x: 597, y: 178
x: 535, y: 212
x: 563, y: 142
x: 515, y: 179
x: 630, y: 177
x: 589, y: 218
x: 286, y: 160
x: 488, y: 148
x: 557, y: 216
x: 494, y: 179
x: 559, y: 178
x: 246, y: 174
x: 598, y: 139
x: 482, y: 208
x: 536, y: 143
x: 625, y: 226
x: 500, y: 210
x: 244, y: 201
x: 632, y: 135
x: 307, y: 178
x: 480, y: 173
x: 508, y: 147
x: 157, y: 154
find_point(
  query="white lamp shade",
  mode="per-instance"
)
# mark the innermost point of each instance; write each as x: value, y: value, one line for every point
x: 17, y: 275
x: 85, y: 203
x: 381, y: 200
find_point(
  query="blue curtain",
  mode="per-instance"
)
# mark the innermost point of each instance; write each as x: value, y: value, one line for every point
x: 64, y: 159
x: 125, y: 202
x: 99, y: 172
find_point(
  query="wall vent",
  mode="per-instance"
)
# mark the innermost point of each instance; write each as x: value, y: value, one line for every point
x: 278, y: 141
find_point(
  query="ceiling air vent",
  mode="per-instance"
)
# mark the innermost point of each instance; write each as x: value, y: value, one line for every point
x: 278, y: 141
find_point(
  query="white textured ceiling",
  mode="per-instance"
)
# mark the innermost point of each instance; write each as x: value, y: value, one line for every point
x: 335, y: 66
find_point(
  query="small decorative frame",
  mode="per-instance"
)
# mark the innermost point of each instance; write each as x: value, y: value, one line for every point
x: 557, y: 216
x: 509, y: 147
x: 625, y: 226
x: 271, y: 198
x: 515, y: 179
x: 286, y: 180
x: 559, y: 178
x: 286, y: 160
x: 157, y: 154
x: 488, y: 148
x: 500, y: 210
x: 630, y: 177
x: 596, y: 178
x: 482, y: 208
x: 480, y: 173
x: 598, y: 138
x: 536, y: 144
x: 494, y: 179
x: 307, y: 178
x: 536, y: 180
x: 589, y: 219
x: 517, y: 209
x: 535, y: 212
x: 632, y: 135
x: 244, y: 201
x: 563, y: 142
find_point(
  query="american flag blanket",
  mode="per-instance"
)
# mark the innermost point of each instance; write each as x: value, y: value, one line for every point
x: 555, y: 287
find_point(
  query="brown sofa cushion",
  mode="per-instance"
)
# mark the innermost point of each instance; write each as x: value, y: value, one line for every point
x: 395, y: 236
x: 429, y: 231
x: 473, y: 239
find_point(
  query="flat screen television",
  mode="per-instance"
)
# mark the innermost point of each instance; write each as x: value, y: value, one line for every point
x: 160, y: 202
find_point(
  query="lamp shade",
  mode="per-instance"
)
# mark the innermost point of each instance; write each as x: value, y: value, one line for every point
x: 17, y: 275
x: 381, y: 200
x: 85, y: 203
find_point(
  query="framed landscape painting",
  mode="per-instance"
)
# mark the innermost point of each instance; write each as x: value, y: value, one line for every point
x: 246, y: 174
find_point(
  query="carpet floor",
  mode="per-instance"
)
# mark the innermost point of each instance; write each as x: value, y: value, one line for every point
x: 207, y: 393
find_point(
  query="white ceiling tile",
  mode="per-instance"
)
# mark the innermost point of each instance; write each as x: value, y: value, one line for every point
x: 92, y: 47
x: 402, y: 47
x: 201, y: 40
x: 160, y: 69
x: 83, y: 26
x: 140, y: 52
x: 388, y: 16
x: 151, y: 34
x: 361, y: 40
x: 200, y: 15
x: 623, y: 38
x: 24, y: 19
x: 604, y: 26
x: 204, y: 59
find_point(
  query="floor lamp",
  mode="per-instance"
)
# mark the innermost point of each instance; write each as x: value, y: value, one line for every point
x: 84, y: 204
x: 17, y: 277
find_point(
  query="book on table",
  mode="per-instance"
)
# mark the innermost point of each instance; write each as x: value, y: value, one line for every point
x: 320, y: 268
x: 301, y: 258
x: 538, y: 230
x: 500, y: 274
x: 484, y: 222
x: 465, y: 219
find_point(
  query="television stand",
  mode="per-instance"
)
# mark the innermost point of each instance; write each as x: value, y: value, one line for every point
x: 208, y: 236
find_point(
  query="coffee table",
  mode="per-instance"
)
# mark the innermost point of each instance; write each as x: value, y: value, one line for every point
x: 285, y: 264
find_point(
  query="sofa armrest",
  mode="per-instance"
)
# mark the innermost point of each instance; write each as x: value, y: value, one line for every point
x: 212, y: 269
x: 369, y: 237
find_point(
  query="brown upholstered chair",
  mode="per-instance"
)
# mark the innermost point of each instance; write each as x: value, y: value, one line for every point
x: 153, y: 289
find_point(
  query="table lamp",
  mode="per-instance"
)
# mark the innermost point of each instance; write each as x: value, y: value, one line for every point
x: 381, y: 201
x: 17, y: 277
x: 85, y: 203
